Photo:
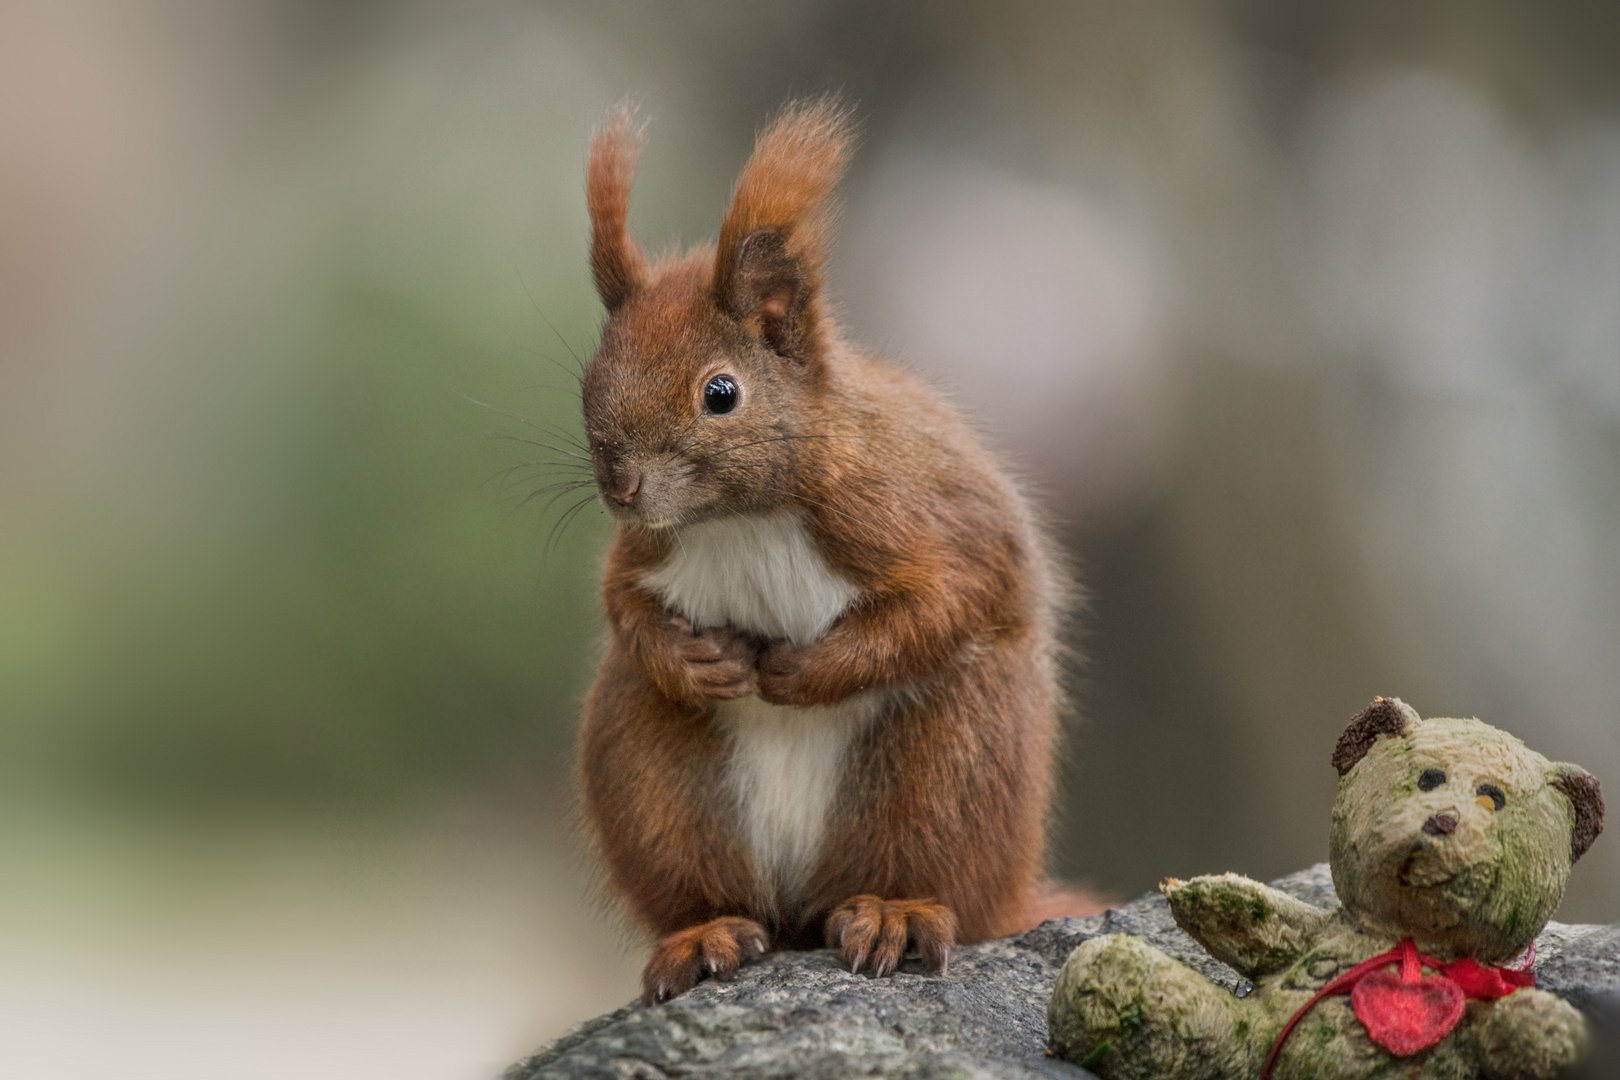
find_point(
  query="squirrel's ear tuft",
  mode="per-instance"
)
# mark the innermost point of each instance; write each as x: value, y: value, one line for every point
x: 1385, y: 716
x: 1584, y: 794
x: 617, y: 263
x: 774, y: 240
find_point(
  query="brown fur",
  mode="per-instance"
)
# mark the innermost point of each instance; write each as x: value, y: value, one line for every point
x: 1385, y: 716
x: 1584, y: 794
x: 935, y: 833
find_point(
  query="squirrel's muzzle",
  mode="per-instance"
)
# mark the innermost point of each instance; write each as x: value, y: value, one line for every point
x: 622, y: 488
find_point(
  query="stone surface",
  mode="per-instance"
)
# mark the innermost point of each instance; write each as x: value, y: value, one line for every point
x: 801, y: 1015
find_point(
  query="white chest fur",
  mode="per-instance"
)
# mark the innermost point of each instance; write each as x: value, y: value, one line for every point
x: 783, y: 772
x: 764, y: 575
x: 760, y: 574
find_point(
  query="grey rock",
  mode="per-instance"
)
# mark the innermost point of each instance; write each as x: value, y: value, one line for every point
x: 801, y: 1015
x: 1582, y: 965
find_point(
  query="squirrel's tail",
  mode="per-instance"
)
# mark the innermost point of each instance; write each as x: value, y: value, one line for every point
x: 1052, y: 900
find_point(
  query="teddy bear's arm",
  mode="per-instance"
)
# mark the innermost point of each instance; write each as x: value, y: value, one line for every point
x: 1252, y: 927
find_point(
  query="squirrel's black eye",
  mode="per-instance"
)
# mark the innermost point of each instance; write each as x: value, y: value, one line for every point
x: 1490, y: 796
x: 720, y: 396
x: 1431, y: 779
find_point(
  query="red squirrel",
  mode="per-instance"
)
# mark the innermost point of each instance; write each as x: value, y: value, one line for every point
x: 829, y: 700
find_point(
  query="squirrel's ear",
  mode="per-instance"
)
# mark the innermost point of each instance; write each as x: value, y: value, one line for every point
x: 1385, y: 716
x: 773, y: 242
x: 1584, y: 794
x: 617, y: 263
x: 769, y: 287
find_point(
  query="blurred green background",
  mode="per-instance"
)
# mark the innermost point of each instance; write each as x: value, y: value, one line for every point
x: 1303, y: 319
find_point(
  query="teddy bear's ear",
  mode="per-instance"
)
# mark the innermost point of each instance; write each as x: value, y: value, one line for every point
x: 1385, y: 716
x: 1584, y: 794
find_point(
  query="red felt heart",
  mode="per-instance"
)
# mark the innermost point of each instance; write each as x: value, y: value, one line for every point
x: 1405, y: 1017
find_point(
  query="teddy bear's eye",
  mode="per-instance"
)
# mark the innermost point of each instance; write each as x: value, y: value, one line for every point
x: 1490, y: 796
x: 1430, y: 779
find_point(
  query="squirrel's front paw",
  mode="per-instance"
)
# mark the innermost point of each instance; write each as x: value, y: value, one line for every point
x: 871, y: 931
x: 714, y: 948
x: 716, y: 662
x: 780, y: 674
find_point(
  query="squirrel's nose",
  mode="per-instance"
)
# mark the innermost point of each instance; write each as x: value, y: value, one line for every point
x: 625, y: 488
x: 1441, y: 824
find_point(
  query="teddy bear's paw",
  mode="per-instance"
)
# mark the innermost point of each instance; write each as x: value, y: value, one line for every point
x: 1530, y: 1035
x: 873, y: 933
x: 714, y: 948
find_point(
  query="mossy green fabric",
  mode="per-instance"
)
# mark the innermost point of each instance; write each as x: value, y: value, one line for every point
x: 1481, y: 882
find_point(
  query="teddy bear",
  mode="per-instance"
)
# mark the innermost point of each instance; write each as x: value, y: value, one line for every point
x: 1450, y: 847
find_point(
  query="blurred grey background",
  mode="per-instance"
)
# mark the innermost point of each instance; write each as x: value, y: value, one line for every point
x: 1304, y: 319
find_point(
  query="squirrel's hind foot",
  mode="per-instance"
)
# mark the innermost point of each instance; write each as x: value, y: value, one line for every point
x: 873, y: 933
x: 715, y: 948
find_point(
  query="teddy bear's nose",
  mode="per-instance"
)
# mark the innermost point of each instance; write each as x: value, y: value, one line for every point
x: 1441, y: 824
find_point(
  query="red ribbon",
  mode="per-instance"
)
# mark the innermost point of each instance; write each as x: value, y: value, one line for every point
x: 1476, y: 980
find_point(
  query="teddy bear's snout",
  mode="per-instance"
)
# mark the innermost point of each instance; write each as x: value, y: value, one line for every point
x: 1443, y: 824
